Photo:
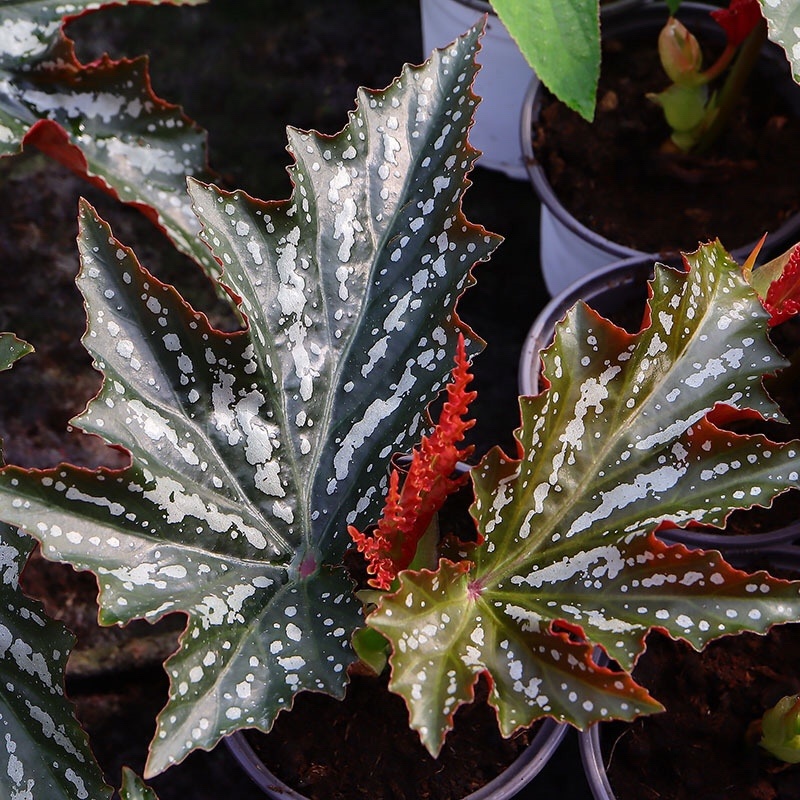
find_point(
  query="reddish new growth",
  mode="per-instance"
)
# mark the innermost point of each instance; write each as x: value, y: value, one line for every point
x: 738, y: 20
x: 409, y: 511
x: 783, y: 297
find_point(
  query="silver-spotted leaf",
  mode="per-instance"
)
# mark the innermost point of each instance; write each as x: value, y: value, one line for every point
x: 11, y: 349
x: 252, y: 451
x: 445, y: 632
x: 45, y: 752
x: 29, y: 30
x: 783, y: 25
x: 618, y: 444
x: 102, y: 120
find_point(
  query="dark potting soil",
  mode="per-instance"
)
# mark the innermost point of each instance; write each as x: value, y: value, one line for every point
x: 323, y: 745
x: 703, y: 746
x: 615, y: 178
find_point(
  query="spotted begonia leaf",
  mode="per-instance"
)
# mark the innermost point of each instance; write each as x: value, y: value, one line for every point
x: 134, y: 788
x: 783, y: 27
x: 11, y: 349
x: 251, y: 452
x: 102, y: 120
x: 618, y: 444
x: 45, y: 751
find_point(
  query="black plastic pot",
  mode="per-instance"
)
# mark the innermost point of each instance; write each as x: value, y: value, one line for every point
x: 503, y: 787
x: 786, y: 557
x: 568, y: 248
x: 623, y: 285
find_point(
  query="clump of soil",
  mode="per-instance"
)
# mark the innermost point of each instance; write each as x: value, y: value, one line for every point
x: 361, y: 748
x: 702, y: 746
x: 614, y: 176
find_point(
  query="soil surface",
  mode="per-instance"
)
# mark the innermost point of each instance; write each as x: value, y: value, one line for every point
x: 361, y: 738
x: 596, y: 168
x: 703, y: 746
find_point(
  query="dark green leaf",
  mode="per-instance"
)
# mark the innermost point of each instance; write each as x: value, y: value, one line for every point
x: 251, y: 452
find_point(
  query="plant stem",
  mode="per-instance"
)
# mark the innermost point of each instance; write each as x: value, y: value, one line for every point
x: 733, y: 86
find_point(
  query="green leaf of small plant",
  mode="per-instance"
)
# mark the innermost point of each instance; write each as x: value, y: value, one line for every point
x: 371, y: 648
x: 101, y: 120
x: 12, y: 349
x: 783, y: 28
x: 251, y: 452
x: 561, y: 41
x: 781, y: 729
x: 134, y: 788
x: 616, y: 446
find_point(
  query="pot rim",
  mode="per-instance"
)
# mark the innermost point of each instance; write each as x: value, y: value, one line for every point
x: 503, y: 787
x: 530, y: 111
x: 593, y: 767
x: 620, y: 273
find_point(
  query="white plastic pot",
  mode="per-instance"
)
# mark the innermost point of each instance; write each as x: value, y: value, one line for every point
x: 502, y: 81
x: 568, y: 249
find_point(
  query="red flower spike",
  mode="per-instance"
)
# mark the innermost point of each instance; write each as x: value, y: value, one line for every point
x: 407, y: 514
x: 783, y: 297
x: 738, y: 19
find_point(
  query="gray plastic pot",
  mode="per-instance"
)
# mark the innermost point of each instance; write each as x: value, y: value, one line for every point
x: 503, y: 787
x: 501, y: 84
x: 589, y: 741
x: 568, y: 248
x: 619, y: 286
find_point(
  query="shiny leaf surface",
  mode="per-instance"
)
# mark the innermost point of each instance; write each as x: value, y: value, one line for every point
x: 617, y: 445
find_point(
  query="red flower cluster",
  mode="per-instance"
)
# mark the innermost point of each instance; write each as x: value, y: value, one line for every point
x: 738, y: 19
x: 408, y: 512
x: 783, y: 297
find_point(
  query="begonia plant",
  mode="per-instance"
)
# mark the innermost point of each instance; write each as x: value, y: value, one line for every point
x: 101, y: 120
x: 257, y: 457
x: 780, y: 727
x: 46, y: 753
